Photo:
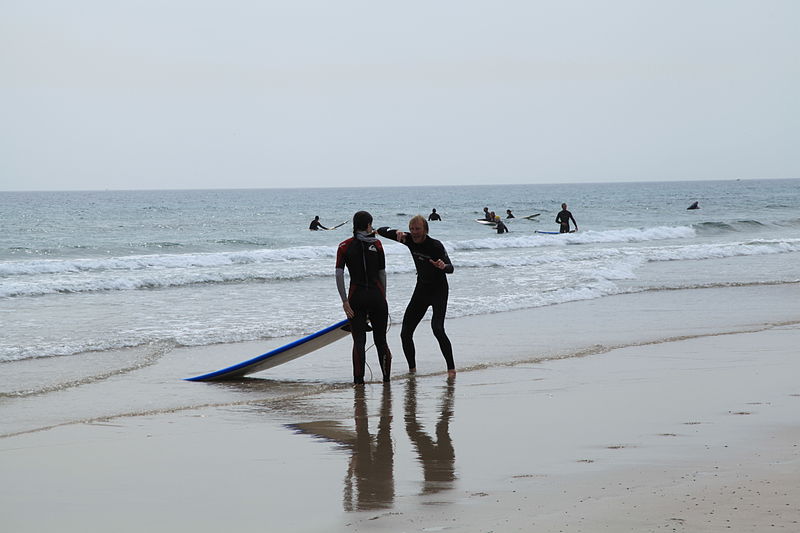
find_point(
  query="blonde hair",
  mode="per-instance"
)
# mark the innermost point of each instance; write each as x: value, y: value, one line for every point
x: 419, y: 218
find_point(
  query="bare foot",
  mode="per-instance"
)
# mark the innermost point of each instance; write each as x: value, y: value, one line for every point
x: 412, y: 370
x: 451, y: 373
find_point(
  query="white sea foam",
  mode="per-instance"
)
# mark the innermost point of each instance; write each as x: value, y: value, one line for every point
x: 316, y: 263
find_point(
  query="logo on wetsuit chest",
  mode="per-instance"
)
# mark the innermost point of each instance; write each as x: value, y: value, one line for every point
x: 372, y: 248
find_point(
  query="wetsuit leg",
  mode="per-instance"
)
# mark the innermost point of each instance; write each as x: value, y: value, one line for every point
x: 378, y: 317
x: 437, y: 325
x: 564, y: 228
x: 358, y: 325
x: 414, y: 312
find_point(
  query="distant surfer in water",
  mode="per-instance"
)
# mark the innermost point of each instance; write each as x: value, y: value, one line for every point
x: 694, y: 205
x: 363, y: 256
x: 316, y: 224
x: 489, y: 217
x: 509, y: 214
x: 431, y: 290
x: 563, y: 218
x: 434, y: 215
x: 500, y: 226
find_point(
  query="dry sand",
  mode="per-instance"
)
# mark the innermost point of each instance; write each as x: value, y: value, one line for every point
x: 700, y: 433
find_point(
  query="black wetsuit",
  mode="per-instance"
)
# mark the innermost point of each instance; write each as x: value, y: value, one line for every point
x: 431, y: 290
x: 315, y: 225
x: 563, y: 217
x: 367, y: 298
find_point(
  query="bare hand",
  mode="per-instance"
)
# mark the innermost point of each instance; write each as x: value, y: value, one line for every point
x: 348, y: 310
x: 438, y: 263
x: 401, y: 236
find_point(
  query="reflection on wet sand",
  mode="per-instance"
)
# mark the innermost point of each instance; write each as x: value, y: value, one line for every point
x: 436, y: 456
x: 369, y: 483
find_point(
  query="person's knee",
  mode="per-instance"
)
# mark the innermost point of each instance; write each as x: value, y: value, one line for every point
x: 438, y: 329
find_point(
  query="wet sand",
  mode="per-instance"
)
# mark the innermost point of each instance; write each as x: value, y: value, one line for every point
x: 697, y: 432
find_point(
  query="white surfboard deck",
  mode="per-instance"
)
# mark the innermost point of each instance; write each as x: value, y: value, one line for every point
x: 279, y: 356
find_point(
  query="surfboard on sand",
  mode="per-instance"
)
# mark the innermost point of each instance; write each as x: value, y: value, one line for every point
x: 278, y: 356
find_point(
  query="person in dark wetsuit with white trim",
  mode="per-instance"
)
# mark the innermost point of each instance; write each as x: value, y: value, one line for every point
x: 431, y: 290
x: 363, y: 256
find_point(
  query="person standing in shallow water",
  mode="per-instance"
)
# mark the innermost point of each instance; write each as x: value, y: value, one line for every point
x: 362, y: 255
x: 563, y: 218
x: 432, y: 289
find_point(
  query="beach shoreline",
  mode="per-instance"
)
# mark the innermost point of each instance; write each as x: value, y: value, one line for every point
x: 691, y: 428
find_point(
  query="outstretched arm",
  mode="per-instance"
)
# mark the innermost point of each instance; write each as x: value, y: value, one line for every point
x: 395, y: 235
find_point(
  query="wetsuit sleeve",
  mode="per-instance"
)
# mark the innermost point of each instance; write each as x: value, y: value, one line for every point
x: 340, y: 263
x: 382, y: 279
x: 449, y: 268
x: 387, y: 233
x: 340, y: 284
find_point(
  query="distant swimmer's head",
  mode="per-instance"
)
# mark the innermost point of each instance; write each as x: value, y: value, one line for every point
x: 418, y: 228
x: 361, y: 221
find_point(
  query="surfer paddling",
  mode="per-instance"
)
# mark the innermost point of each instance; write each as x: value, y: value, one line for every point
x: 316, y: 224
x: 431, y: 290
x: 363, y: 256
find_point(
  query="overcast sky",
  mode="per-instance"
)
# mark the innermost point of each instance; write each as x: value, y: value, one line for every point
x: 129, y: 94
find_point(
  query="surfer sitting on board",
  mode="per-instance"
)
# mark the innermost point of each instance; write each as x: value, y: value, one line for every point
x: 563, y: 218
x: 363, y: 256
x: 488, y: 216
x: 316, y: 224
x: 431, y: 290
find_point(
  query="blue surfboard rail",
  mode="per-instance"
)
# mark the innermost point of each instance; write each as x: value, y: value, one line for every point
x: 244, y: 368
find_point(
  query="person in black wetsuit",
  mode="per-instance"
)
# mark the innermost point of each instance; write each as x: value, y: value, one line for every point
x: 500, y: 226
x: 563, y: 218
x: 316, y: 224
x: 363, y: 256
x: 431, y: 290
x: 509, y: 214
x: 434, y: 215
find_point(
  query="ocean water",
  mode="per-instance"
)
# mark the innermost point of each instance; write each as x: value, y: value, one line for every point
x: 109, y: 299
x: 89, y: 272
